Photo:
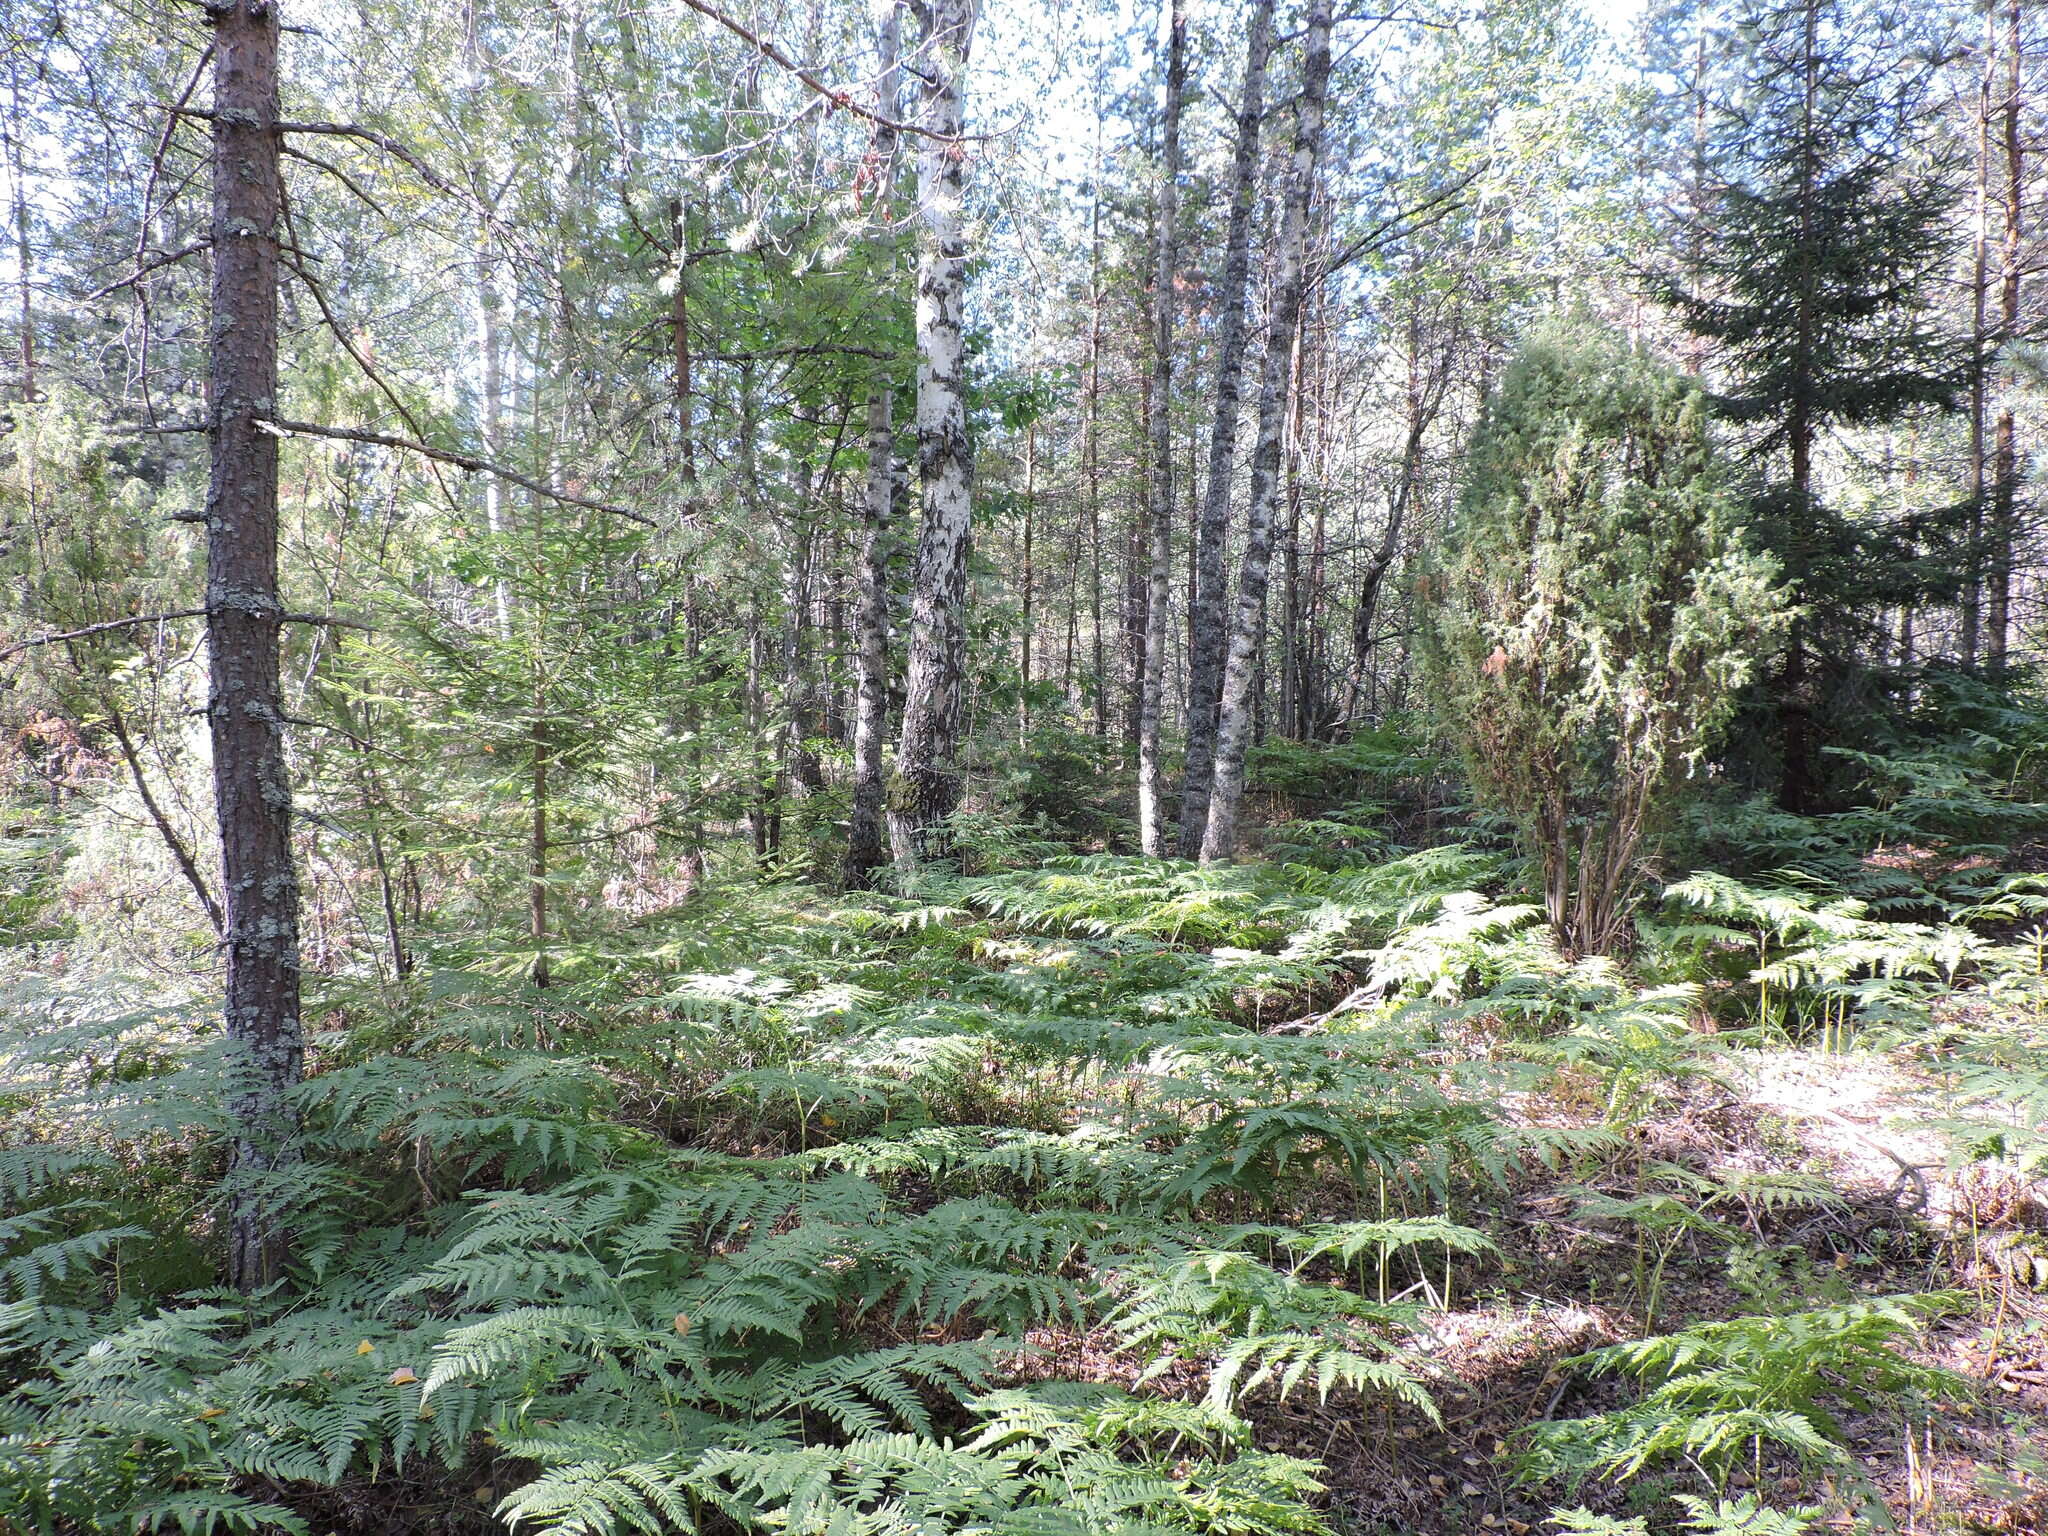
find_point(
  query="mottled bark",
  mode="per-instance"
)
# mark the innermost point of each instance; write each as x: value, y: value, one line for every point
x: 1027, y: 583
x: 866, y: 849
x: 1159, y: 511
x: 252, y: 788
x: 1206, y: 620
x: 1235, y: 725
x: 926, y: 787
x: 865, y: 852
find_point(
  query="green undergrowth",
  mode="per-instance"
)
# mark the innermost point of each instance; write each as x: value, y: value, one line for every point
x: 1011, y: 1203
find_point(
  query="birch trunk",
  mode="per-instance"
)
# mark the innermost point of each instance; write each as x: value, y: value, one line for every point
x: 926, y: 786
x: 1159, y: 511
x: 244, y: 618
x: 865, y: 852
x: 1206, y: 633
x: 865, y: 847
x: 1234, y: 729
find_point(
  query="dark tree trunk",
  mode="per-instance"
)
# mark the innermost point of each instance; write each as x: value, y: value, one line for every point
x: 2005, y: 455
x: 252, y: 788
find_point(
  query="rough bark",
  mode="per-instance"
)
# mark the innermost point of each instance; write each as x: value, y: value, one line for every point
x: 252, y: 787
x: 1972, y: 613
x: 1235, y: 723
x: 1206, y: 623
x: 1159, y: 433
x: 926, y: 786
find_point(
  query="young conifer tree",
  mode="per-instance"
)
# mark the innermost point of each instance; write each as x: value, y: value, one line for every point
x: 1814, y: 272
x: 1592, y: 613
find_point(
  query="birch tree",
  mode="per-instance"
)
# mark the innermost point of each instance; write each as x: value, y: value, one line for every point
x: 926, y: 786
x: 864, y: 847
x: 1159, y: 437
x: 1206, y: 632
x: 1247, y: 624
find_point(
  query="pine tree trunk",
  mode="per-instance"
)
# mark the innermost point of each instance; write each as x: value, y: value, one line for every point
x: 1972, y: 613
x: 1159, y: 435
x: 244, y: 618
x: 1207, y: 635
x: 2005, y: 453
x: 1797, y: 771
x: 926, y: 787
x: 1234, y: 728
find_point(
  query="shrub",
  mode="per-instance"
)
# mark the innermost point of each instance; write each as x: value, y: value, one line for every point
x: 1591, y: 613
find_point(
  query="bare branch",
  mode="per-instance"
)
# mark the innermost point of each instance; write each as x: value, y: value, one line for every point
x: 468, y: 461
x: 144, y: 268
x: 842, y: 100
x: 99, y: 629
x: 61, y: 636
x: 338, y: 174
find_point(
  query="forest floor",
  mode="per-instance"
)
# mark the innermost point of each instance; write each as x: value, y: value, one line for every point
x: 1868, y: 1125
x: 1909, y: 1221
x: 916, y: 1175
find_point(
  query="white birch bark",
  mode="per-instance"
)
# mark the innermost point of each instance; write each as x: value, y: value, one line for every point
x: 926, y: 787
x: 1234, y: 727
x: 1159, y: 431
x: 1206, y: 630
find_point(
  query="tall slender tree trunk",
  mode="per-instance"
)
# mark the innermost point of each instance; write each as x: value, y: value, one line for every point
x: 2005, y: 453
x: 1091, y: 454
x: 865, y: 850
x: 1235, y: 726
x: 1207, y: 620
x: 1797, y: 772
x: 1980, y: 360
x: 244, y: 620
x: 490, y: 347
x: 540, y: 749
x: 679, y: 345
x: 1027, y: 583
x: 17, y: 182
x: 1159, y: 511
x: 692, y: 867
x: 926, y: 787
x: 1137, y: 588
